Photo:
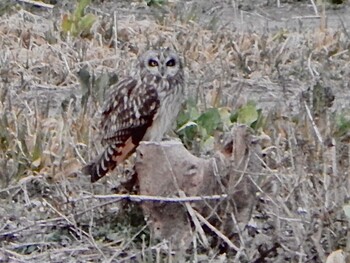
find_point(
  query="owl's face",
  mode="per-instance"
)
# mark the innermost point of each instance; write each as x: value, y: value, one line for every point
x: 162, y: 63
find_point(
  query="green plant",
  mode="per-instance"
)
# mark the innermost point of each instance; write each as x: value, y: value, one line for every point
x: 342, y: 125
x: 78, y: 23
x: 250, y: 115
x: 198, y: 129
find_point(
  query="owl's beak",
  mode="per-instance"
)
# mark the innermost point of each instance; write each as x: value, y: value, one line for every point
x: 162, y: 71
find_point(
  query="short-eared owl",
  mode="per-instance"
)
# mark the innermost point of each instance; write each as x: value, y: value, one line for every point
x: 140, y: 108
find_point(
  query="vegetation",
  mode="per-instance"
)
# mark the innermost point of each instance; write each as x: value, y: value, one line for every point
x: 78, y: 23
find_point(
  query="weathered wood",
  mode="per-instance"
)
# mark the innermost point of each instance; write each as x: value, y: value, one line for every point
x: 167, y: 169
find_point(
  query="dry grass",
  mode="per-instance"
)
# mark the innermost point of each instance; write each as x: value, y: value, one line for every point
x: 46, y: 134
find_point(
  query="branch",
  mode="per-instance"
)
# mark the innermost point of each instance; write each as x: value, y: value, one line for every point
x: 148, y: 198
x: 36, y: 3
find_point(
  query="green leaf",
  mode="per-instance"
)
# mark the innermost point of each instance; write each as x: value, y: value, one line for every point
x: 5, y: 136
x: 248, y: 114
x: 210, y: 120
x: 234, y: 117
x: 79, y: 11
x: 256, y: 125
x: 66, y: 24
x: 78, y: 24
x: 191, y: 102
x: 208, y: 144
x: 38, y: 147
x: 187, y: 125
x: 190, y: 113
x: 182, y: 118
x: 188, y: 132
x: 342, y: 125
x: 202, y: 132
x: 194, y: 113
x: 85, y: 23
x: 225, y: 116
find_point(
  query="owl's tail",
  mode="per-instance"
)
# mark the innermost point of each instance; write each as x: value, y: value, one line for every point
x: 112, y: 156
x: 105, y: 162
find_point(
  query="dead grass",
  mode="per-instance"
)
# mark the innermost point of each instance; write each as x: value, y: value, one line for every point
x: 46, y: 135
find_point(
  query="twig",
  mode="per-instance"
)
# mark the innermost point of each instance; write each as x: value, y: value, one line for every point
x: 19, y: 257
x: 50, y: 253
x: 58, y: 212
x: 283, y: 46
x: 89, y: 209
x: 90, y: 238
x: 117, y: 253
x: 234, y: 220
x: 314, y: 6
x: 306, y: 17
x: 292, y: 251
x: 288, y: 219
x: 21, y: 245
x: 195, y: 221
x: 37, y: 223
x: 62, y: 56
x: 190, y: 210
x: 162, y: 245
x: 312, y: 71
x: 314, y: 126
x: 115, y: 30
x: 339, y: 53
x: 149, y: 198
x: 41, y: 4
x: 217, y: 232
x: 9, y: 188
x: 261, y: 190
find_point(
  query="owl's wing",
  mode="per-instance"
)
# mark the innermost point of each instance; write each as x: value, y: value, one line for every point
x: 129, y: 111
x: 127, y: 114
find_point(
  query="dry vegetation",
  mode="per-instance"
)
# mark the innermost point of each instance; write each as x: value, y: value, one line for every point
x: 51, y: 88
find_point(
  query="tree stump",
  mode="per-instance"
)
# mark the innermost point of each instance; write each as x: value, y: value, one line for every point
x: 167, y: 169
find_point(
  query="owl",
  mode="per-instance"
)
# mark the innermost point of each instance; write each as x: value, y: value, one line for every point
x: 139, y: 108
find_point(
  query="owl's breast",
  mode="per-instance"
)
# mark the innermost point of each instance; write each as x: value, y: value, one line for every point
x: 164, y: 119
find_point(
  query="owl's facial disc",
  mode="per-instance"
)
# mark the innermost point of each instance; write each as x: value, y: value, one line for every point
x: 161, y: 63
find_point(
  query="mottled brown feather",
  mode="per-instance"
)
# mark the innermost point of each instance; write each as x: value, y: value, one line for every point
x: 125, y: 120
x: 140, y: 108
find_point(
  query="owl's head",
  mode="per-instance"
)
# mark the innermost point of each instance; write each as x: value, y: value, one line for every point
x: 163, y: 63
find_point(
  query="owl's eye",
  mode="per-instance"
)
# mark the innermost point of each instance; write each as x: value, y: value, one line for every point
x: 152, y: 63
x: 171, y: 63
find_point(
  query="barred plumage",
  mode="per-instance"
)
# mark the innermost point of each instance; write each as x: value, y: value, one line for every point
x: 140, y: 108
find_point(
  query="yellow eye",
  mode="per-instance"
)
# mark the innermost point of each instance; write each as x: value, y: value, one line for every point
x: 152, y: 63
x: 171, y: 63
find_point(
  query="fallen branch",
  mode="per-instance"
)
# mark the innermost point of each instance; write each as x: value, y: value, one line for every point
x: 148, y: 198
x: 217, y: 232
x: 35, y: 3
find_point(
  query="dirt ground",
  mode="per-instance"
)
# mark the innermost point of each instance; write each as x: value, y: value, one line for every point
x: 234, y: 51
